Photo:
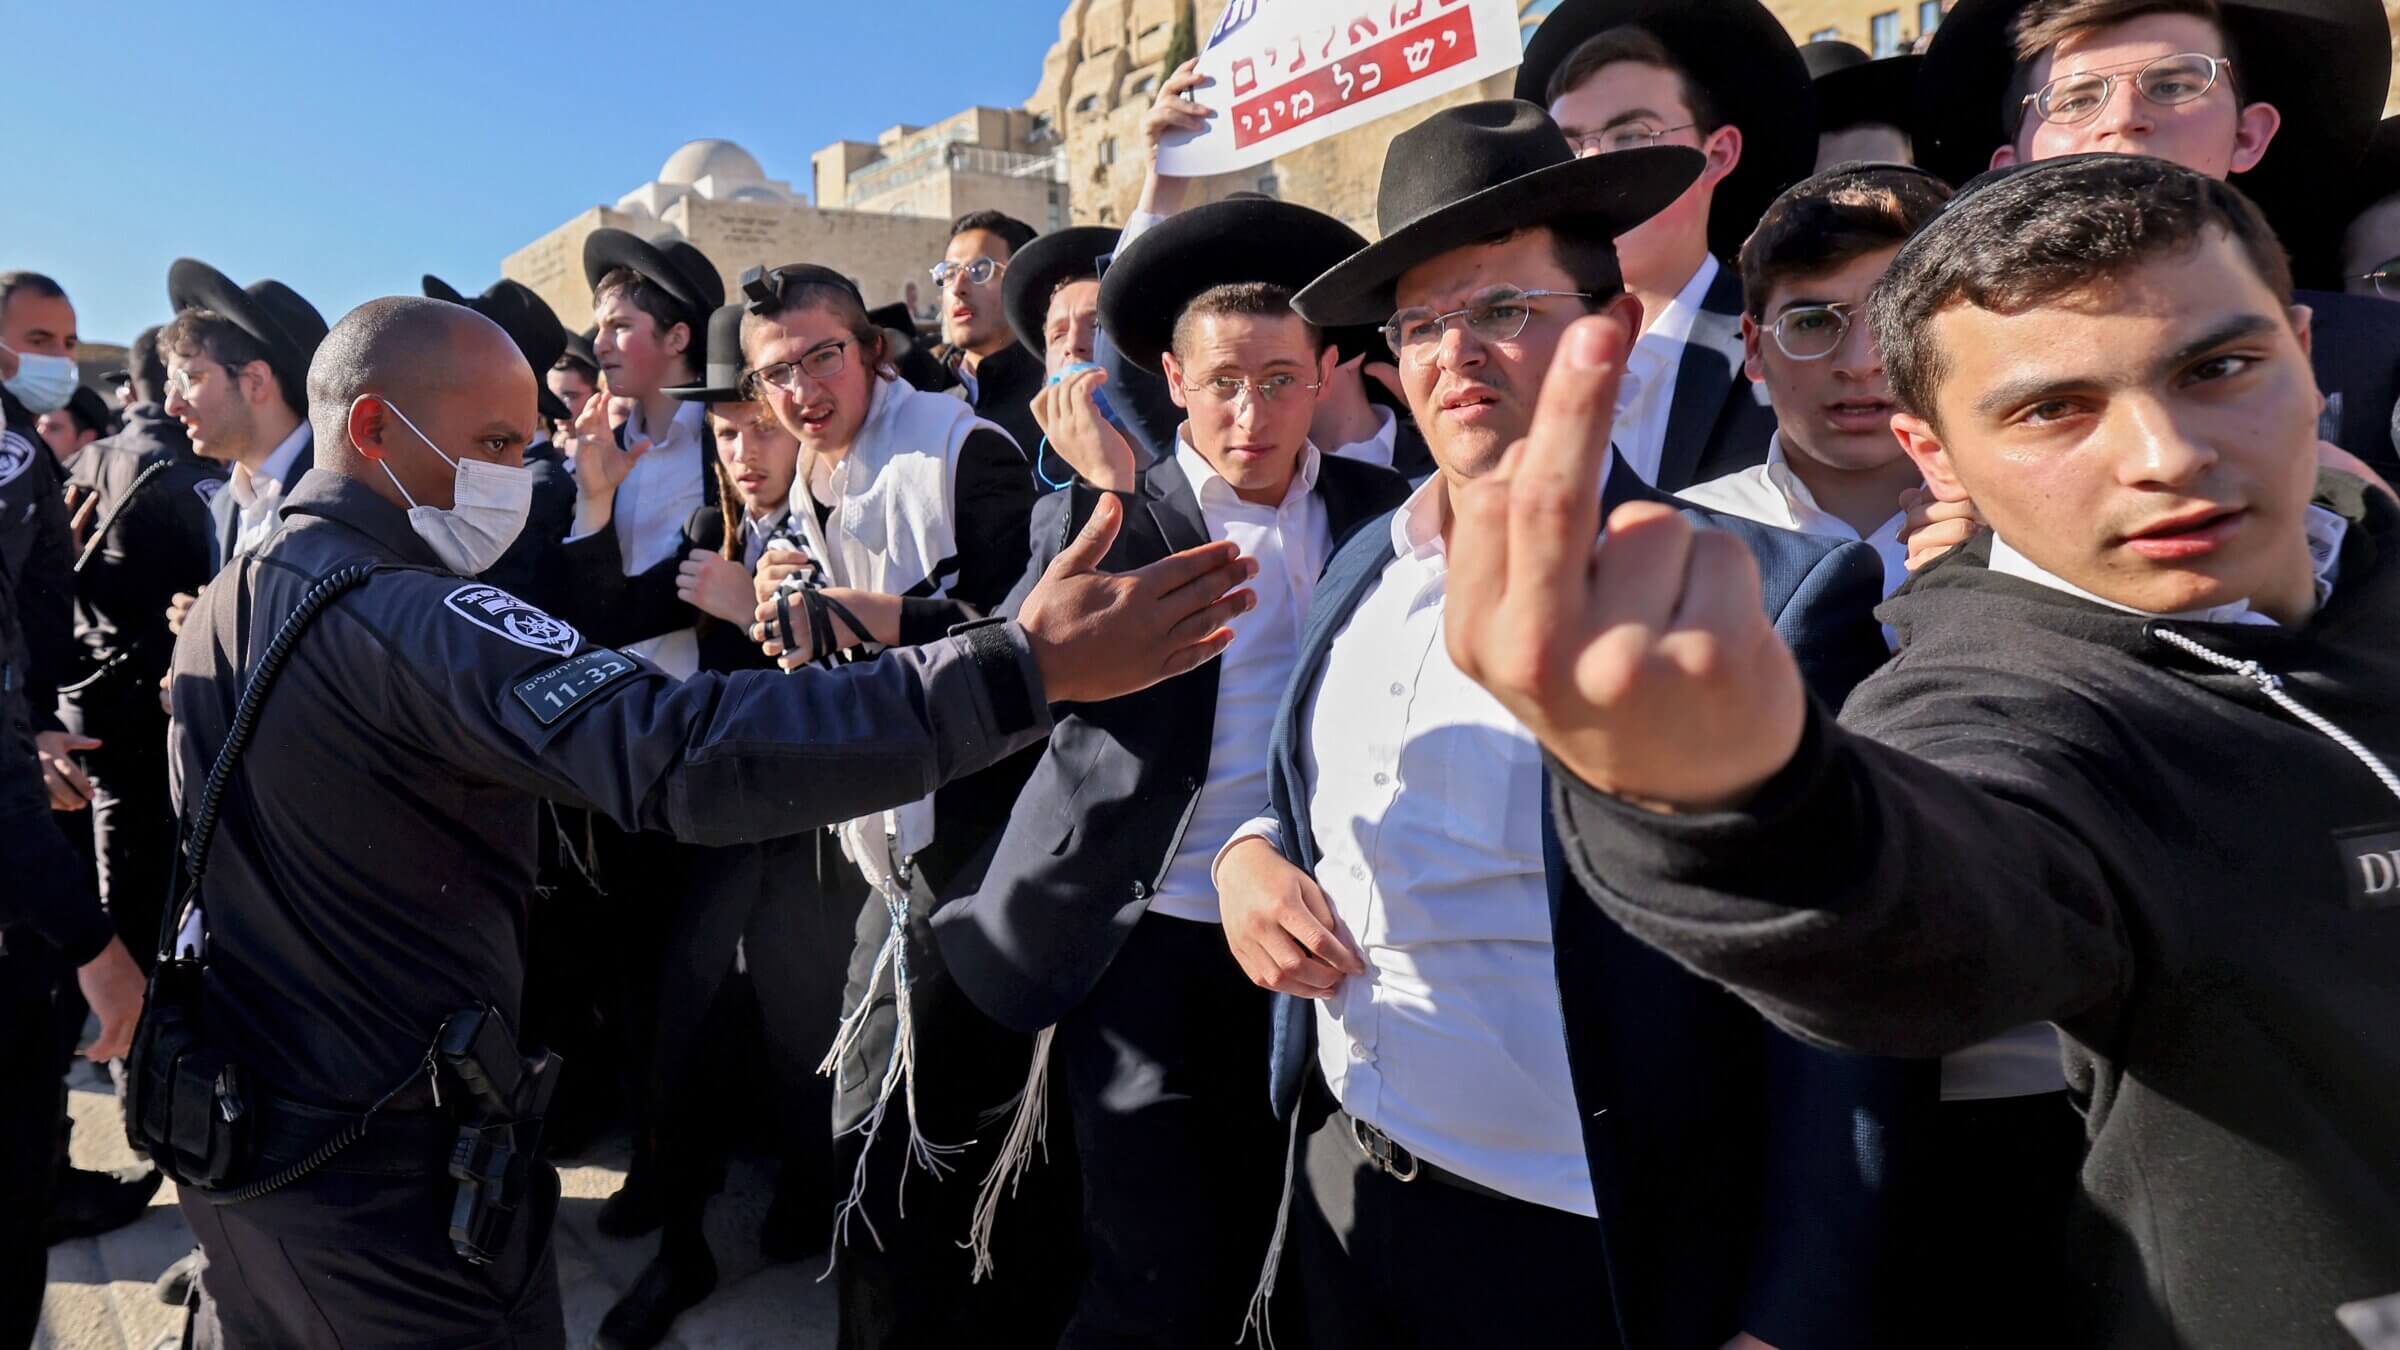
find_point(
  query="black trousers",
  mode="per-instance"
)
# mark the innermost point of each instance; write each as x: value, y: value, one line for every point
x: 907, y: 1284
x: 32, y: 1103
x: 1181, y: 1156
x: 2009, y: 1177
x: 1404, y: 1264
x: 360, y: 1257
x: 132, y: 821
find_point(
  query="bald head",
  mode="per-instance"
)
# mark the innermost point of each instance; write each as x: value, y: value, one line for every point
x: 448, y: 372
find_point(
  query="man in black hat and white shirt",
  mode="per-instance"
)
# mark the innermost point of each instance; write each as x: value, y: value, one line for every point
x: 1520, y: 1128
x: 1721, y: 77
x: 1104, y: 940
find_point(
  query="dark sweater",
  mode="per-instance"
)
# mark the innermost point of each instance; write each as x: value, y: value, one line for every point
x: 2042, y: 810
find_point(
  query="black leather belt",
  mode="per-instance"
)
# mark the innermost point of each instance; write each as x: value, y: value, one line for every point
x: 1390, y: 1157
x: 399, y: 1141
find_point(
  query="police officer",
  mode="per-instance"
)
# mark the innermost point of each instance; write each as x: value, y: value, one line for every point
x: 368, y: 878
x: 148, y: 536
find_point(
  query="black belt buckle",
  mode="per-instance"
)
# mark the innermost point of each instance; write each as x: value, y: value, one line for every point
x: 1388, y: 1156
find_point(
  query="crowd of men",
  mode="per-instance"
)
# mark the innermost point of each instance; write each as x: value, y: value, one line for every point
x: 1770, y: 722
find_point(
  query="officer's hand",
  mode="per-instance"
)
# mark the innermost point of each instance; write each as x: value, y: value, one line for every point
x: 1101, y: 636
x: 1934, y: 527
x: 1277, y: 921
x: 178, y: 607
x: 112, y: 984
x: 70, y: 788
x: 715, y: 585
x: 1095, y: 450
x: 1647, y: 665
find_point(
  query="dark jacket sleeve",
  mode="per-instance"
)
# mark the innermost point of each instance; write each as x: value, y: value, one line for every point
x: 990, y: 506
x: 1848, y: 861
x: 49, y: 889
x: 595, y: 595
x: 46, y: 597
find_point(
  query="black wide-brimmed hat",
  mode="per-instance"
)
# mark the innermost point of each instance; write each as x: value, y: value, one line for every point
x: 1037, y: 269
x: 2323, y: 64
x: 579, y: 346
x: 721, y: 378
x: 1736, y: 51
x: 1481, y: 169
x: 1854, y: 88
x: 674, y: 266
x: 526, y: 318
x: 1250, y: 239
x: 270, y: 312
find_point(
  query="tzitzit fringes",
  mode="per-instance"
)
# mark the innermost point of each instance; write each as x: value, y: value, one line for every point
x: 1029, y: 1129
x: 1259, y: 1316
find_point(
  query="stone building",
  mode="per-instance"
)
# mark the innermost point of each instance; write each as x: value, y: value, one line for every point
x: 999, y: 159
x: 715, y: 194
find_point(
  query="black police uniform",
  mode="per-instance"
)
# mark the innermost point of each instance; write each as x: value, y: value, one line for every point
x: 376, y: 852
x: 149, y: 539
x: 37, y: 555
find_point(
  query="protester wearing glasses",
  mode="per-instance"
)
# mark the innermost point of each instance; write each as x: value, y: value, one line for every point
x: 979, y: 347
x: 1096, y: 925
x: 2371, y: 241
x: 1720, y: 77
x: 1511, y: 1124
x: 910, y: 516
x: 2281, y: 97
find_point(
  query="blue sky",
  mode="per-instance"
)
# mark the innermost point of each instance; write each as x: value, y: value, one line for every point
x: 347, y: 146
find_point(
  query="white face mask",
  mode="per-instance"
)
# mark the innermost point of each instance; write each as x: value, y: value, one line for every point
x: 490, y: 500
x: 43, y: 383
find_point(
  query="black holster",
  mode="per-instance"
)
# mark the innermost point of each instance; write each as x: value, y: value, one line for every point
x: 501, y: 1099
x: 185, y: 1103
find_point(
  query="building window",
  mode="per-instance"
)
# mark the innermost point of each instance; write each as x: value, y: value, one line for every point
x: 1929, y: 17
x: 1040, y: 132
x: 1883, y: 33
x: 1108, y: 150
x: 1826, y: 35
x: 1152, y: 31
x: 1087, y: 103
x: 1146, y: 84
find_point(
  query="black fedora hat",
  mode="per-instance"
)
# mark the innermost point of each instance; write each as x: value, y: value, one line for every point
x: 579, y: 348
x: 526, y: 318
x: 2324, y: 64
x: 721, y: 378
x: 269, y: 311
x: 1252, y: 239
x: 1735, y: 50
x: 674, y: 266
x: 1480, y: 169
x: 1854, y: 88
x: 1037, y: 269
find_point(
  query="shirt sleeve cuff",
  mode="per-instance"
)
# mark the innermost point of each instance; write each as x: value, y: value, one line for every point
x: 1257, y: 827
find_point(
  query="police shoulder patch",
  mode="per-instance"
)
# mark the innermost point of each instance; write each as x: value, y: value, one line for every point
x: 495, y: 610
x: 16, y: 455
x: 207, y: 489
x: 553, y: 693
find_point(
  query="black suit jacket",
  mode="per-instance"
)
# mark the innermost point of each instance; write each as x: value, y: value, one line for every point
x: 2355, y: 347
x: 1717, y: 424
x: 1105, y: 810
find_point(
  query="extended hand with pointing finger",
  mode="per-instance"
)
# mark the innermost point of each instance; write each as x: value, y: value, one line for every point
x: 1646, y: 666
x: 1101, y: 635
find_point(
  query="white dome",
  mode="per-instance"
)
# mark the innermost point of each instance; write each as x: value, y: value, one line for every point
x: 724, y: 161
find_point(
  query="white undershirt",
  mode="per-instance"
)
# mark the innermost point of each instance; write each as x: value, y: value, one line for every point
x: 658, y: 495
x: 1650, y: 368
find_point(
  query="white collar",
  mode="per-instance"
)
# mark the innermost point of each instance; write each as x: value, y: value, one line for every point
x: 1674, y: 326
x: 2325, y: 532
x: 1787, y: 483
x: 251, y: 486
x: 1205, y: 479
x: 1417, y: 525
x: 687, y: 419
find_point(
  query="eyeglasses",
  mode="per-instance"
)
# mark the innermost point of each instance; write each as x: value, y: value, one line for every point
x: 2385, y: 278
x: 1496, y: 315
x: 2165, y: 81
x: 817, y: 363
x: 1267, y: 388
x: 1628, y: 136
x: 1812, y: 332
x: 979, y: 271
x: 186, y: 380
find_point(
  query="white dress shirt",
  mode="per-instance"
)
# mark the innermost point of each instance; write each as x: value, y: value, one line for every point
x: 258, y: 493
x: 1650, y: 368
x: 658, y: 495
x: 1426, y: 798
x: 1290, y: 543
x: 1772, y: 494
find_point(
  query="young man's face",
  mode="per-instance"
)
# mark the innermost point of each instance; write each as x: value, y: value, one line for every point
x: 1068, y: 328
x: 571, y: 387
x: 758, y: 454
x: 823, y: 411
x: 65, y: 437
x: 2212, y: 134
x: 972, y: 316
x: 1619, y: 100
x: 1836, y: 408
x: 638, y: 357
x: 2152, y: 440
x: 1473, y: 398
x: 1253, y: 442
x: 217, y: 404
x: 41, y: 325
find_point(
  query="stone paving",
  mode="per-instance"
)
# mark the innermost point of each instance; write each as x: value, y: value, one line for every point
x: 99, y: 1296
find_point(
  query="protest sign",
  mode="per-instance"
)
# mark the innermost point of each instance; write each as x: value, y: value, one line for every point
x: 1289, y: 73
